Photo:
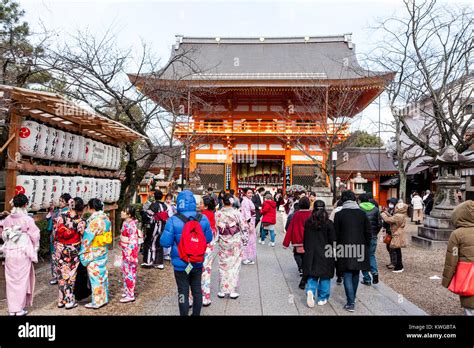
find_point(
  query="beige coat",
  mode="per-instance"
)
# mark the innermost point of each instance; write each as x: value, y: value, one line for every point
x: 397, y: 221
x: 460, y: 246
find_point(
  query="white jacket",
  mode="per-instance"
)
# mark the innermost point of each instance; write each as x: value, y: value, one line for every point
x: 417, y: 202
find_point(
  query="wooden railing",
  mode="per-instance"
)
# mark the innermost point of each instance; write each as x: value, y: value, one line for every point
x: 269, y: 128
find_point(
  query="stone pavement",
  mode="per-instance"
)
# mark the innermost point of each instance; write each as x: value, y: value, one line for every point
x: 270, y: 287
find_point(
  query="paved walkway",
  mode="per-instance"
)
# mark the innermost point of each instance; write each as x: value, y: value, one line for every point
x: 270, y: 287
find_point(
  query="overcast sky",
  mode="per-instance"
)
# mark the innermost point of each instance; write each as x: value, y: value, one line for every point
x: 157, y: 23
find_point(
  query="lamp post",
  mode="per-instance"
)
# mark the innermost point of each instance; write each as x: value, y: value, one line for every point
x: 334, y: 160
x: 183, y: 157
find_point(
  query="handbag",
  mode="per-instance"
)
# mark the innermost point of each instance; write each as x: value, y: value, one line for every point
x: 397, y: 241
x: 462, y: 282
x: 387, y: 239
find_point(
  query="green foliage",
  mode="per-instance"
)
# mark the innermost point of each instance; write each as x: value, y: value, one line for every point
x: 17, y: 54
x: 363, y: 139
x: 44, y: 249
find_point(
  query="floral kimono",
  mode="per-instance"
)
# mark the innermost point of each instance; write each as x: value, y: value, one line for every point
x: 232, y: 238
x: 21, y: 243
x: 247, y: 210
x: 130, y: 248
x: 209, y: 256
x: 69, y: 231
x: 52, y: 218
x: 93, y: 255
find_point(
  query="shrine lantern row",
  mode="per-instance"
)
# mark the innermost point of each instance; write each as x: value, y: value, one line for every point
x: 40, y: 141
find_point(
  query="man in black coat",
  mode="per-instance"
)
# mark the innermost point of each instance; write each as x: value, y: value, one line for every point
x: 373, y: 214
x: 257, y: 200
x: 152, y: 250
x: 353, y: 242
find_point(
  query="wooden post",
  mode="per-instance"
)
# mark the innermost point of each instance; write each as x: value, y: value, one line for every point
x: 12, y: 150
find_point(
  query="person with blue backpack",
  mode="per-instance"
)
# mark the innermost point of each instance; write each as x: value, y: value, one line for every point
x: 187, y: 233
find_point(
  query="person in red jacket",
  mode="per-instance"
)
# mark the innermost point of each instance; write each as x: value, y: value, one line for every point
x: 268, y: 212
x: 70, y: 228
x: 295, y: 234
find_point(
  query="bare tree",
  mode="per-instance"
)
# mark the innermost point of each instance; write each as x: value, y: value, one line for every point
x: 321, y: 118
x: 93, y: 70
x: 430, y: 48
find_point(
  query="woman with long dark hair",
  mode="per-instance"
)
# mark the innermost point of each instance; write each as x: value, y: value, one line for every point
x: 318, y: 260
x: 69, y: 231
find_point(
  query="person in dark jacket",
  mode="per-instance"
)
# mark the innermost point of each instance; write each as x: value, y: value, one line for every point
x: 428, y: 203
x: 391, y: 203
x: 373, y: 214
x: 185, y: 278
x: 353, y: 242
x: 318, y: 264
x: 153, y: 254
x: 295, y: 235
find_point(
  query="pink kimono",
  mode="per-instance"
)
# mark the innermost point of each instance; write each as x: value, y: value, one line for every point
x: 21, y: 242
x: 247, y: 209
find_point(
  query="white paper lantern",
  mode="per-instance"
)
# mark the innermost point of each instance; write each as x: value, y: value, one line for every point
x: 73, y: 186
x: 95, y: 151
x: 96, y: 189
x: 29, y: 138
x: 116, y: 184
x: 109, y: 191
x: 51, y: 144
x: 59, y: 148
x: 66, y: 147
x: 82, y: 150
x: 79, y: 187
x: 43, y: 142
x: 66, y: 186
x: 89, y: 152
x: 27, y: 185
x: 57, y: 187
x: 86, y: 194
x: 102, y: 156
x: 109, y: 155
x: 47, y: 192
x: 74, y: 152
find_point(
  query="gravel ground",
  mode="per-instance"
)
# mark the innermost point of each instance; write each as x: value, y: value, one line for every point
x: 151, y: 284
x: 415, y: 283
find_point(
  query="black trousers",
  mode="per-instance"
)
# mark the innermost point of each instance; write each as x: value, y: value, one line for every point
x: 298, y: 259
x: 185, y: 281
x: 393, y: 255
x: 152, y: 250
x: 399, y: 264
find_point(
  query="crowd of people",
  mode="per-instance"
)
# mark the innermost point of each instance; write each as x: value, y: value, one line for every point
x: 226, y: 227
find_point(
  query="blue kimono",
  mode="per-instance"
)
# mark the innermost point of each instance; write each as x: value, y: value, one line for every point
x: 93, y: 255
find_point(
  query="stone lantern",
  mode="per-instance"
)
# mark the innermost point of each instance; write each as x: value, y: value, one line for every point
x: 358, y: 184
x: 438, y: 225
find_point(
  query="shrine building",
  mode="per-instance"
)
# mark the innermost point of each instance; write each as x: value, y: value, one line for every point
x: 262, y: 111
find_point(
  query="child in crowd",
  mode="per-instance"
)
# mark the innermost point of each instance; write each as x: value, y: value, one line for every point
x: 130, y: 247
x: 268, y: 219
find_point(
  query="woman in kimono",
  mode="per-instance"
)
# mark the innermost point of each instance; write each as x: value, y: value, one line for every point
x: 94, y: 252
x: 52, y: 218
x: 69, y: 230
x: 247, y: 208
x: 232, y: 239
x: 130, y: 247
x: 21, y: 243
x: 208, y: 209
